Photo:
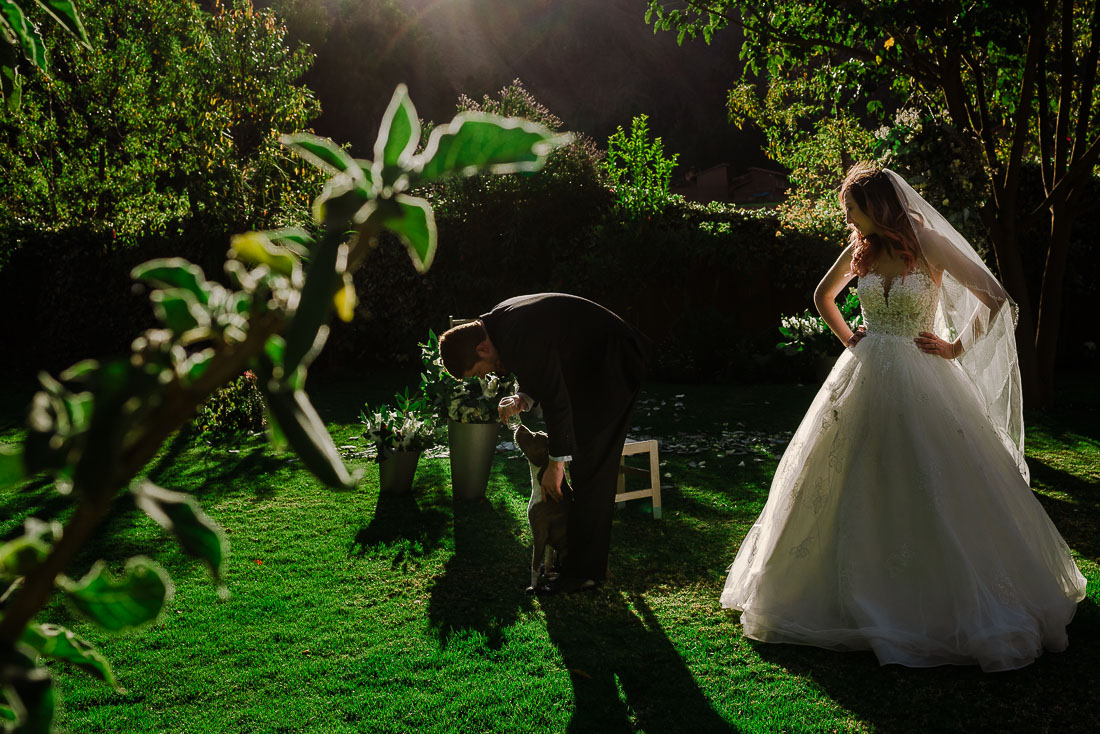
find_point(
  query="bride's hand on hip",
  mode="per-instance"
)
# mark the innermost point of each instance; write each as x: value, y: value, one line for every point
x: 929, y: 343
x: 854, y: 339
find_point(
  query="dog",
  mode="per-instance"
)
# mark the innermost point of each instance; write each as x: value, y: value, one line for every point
x: 547, y: 518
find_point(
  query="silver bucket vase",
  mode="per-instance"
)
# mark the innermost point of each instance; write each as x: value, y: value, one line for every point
x: 472, y: 446
x: 396, y: 472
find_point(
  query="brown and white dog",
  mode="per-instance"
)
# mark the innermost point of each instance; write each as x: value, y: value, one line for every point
x: 547, y: 518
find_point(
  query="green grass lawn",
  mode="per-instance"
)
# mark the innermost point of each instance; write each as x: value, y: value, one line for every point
x: 355, y: 612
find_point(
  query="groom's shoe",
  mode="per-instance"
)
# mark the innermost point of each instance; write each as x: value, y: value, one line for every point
x: 566, y: 585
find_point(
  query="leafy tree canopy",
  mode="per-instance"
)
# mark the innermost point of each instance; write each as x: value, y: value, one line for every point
x: 173, y: 115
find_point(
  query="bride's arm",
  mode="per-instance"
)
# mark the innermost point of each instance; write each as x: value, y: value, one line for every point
x: 839, y: 275
x: 943, y: 256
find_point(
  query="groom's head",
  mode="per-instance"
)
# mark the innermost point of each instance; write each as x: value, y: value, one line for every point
x: 467, y: 351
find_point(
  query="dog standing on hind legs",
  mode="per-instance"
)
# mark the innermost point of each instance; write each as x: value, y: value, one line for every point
x: 547, y: 519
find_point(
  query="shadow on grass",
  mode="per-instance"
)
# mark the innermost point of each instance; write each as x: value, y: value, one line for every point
x: 401, y: 520
x: 607, y: 647
x: 1076, y: 521
x: 1055, y: 693
x: 482, y: 586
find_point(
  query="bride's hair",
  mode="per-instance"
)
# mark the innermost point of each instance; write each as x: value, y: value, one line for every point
x: 871, y: 190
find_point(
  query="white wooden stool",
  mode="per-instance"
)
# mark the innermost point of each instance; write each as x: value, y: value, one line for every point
x: 653, y: 472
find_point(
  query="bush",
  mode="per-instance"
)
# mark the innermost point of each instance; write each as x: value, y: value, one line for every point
x: 232, y: 410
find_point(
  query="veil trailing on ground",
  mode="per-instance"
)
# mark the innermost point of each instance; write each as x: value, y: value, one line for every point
x: 974, y: 306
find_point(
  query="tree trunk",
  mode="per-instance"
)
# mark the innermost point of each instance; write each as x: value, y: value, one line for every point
x: 1050, y: 298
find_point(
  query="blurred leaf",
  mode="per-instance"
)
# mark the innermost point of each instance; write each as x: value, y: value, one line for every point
x: 11, y: 83
x: 196, y: 364
x: 174, y: 272
x: 323, y: 153
x: 80, y: 371
x: 179, y: 310
x: 180, y: 514
x: 324, y: 276
x: 58, y: 643
x: 28, y: 689
x: 303, y: 429
x: 399, y: 132
x: 64, y: 12
x: 256, y: 248
x: 20, y: 555
x: 46, y: 446
x: 295, y: 239
x: 416, y: 228
x: 15, y: 22
x: 118, y: 604
x: 346, y: 300
x: 476, y: 142
x: 11, y: 466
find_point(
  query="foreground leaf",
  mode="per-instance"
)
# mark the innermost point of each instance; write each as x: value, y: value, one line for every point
x: 118, y: 604
x: 28, y: 690
x: 476, y: 142
x: 174, y: 272
x: 11, y: 466
x: 58, y: 643
x: 416, y: 228
x: 323, y: 153
x: 257, y: 249
x: 292, y: 415
x: 64, y: 12
x: 180, y: 514
x: 400, y: 130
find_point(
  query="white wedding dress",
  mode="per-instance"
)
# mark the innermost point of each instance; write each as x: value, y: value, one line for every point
x: 897, y: 521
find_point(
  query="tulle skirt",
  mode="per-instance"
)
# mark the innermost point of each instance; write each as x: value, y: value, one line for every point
x: 898, y: 522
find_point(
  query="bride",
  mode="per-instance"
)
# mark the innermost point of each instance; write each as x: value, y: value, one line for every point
x: 900, y: 518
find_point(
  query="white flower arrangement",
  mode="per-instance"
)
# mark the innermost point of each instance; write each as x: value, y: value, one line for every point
x: 410, y: 426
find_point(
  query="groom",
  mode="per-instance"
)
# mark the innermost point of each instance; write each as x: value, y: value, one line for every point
x: 584, y: 365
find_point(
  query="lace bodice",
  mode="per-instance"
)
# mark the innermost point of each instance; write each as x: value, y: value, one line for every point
x: 909, y: 308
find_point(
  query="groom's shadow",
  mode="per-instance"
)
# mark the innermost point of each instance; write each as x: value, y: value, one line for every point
x: 1055, y: 693
x: 607, y: 646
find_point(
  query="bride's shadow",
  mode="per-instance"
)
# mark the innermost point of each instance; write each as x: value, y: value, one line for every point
x: 1055, y: 693
x: 607, y: 646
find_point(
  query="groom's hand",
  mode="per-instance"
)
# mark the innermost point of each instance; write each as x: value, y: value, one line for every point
x: 510, y: 406
x: 551, y: 480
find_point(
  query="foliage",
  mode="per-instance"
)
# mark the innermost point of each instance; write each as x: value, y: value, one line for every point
x: 809, y: 333
x: 232, y: 410
x: 462, y: 399
x: 95, y: 430
x: 945, y: 163
x: 409, y: 425
x: 168, y: 128
x: 816, y: 137
x: 638, y: 170
x: 1016, y: 78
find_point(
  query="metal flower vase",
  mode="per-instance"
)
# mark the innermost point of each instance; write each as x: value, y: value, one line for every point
x: 396, y: 472
x: 472, y: 446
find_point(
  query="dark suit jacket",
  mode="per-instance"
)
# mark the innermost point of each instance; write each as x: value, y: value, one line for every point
x: 581, y: 362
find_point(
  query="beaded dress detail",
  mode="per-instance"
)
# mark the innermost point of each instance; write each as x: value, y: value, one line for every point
x: 897, y: 521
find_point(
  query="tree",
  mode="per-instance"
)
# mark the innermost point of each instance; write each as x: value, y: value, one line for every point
x: 1017, y: 75
x: 172, y: 117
